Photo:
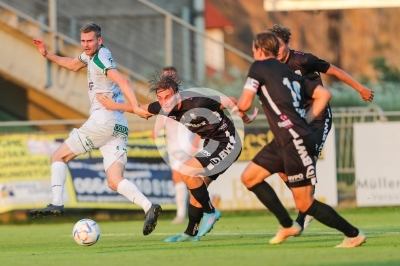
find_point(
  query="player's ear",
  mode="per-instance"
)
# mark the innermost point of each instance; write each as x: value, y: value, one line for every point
x: 100, y: 40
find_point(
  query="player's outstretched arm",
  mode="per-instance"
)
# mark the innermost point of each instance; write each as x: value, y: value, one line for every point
x: 128, y: 92
x: 365, y: 93
x: 109, y: 103
x: 73, y: 64
x: 321, y: 97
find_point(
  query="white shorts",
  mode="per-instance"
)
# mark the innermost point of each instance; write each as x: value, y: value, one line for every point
x: 104, y: 130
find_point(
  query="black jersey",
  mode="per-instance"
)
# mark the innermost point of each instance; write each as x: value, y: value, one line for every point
x: 201, y: 114
x: 310, y: 67
x: 282, y: 94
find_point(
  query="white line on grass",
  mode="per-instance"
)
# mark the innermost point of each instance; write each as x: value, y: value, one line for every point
x: 247, y: 233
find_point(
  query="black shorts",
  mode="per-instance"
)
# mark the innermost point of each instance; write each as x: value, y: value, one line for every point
x: 320, y: 129
x: 217, y: 156
x: 295, y: 160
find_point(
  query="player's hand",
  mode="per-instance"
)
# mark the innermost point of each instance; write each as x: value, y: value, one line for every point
x: 367, y: 95
x: 105, y: 100
x: 142, y: 113
x: 248, y: 119
x: 41, y: 46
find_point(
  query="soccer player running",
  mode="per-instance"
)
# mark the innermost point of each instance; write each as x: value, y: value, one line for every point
x: 201, y: 114
x: 292, y: 151
x: 105, y: 130
x: 310, y: 67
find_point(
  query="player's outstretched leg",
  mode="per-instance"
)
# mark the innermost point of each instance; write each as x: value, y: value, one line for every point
x: 151, y: 219
x: 182, y: 238
x: 49, y: 210
x: 209, y: 219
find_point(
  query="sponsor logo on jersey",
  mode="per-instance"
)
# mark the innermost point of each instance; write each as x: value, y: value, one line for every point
x: 224, y: 126
x: 196, y: 125
x: 286, y: 123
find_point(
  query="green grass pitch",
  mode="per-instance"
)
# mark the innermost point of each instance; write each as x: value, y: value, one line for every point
x: 237, y: 239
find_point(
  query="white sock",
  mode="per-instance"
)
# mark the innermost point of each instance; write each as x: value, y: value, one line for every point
x: 132, y: 193
x: 58, y: 177
x: 181, y: 198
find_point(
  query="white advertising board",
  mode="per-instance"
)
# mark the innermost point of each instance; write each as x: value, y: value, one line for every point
x: 235, y: 196
x: 377, y: 161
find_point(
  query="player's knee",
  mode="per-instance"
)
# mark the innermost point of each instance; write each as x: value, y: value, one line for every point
x: 113, y: 185
x: 247, y: 180
x: 303, y: 205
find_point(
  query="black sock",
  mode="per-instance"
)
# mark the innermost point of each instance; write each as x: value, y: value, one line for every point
x: 301, y: 216
x: 195, y: 215
x: 329, y: 217
x: 266, y: 194
x: 202, y: 196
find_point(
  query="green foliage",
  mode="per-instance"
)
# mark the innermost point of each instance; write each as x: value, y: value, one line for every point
x: 387, y: 95
x: 387, y: 73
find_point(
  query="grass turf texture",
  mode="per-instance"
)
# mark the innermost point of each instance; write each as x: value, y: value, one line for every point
x: 237, y: 239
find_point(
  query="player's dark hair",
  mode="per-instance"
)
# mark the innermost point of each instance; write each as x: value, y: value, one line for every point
x: 89, y: 27
x: 164, y: 82
x: 170, y: 69
x: 268, y: 42
x: 282, y: 32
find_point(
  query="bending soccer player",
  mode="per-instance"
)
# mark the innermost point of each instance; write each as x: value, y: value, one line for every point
x: 181, y: 145
x: 282, y: 93
x: 201, y: 114
x: 310, y: 67
x: 105, y: 130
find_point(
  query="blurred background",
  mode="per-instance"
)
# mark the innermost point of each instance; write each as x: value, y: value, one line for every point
x: 209, y: 42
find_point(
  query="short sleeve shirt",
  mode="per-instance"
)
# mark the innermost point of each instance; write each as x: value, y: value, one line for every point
x: 310, y: 67
x: 201, y: 115
x: 282, y: 94
x: 98, y: 82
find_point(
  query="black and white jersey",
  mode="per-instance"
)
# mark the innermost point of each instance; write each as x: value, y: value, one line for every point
x: 282, y: 94
x: 201, y: 114
x: 310, y: 67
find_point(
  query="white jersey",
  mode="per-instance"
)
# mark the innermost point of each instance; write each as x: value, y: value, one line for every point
x: 98, y: 81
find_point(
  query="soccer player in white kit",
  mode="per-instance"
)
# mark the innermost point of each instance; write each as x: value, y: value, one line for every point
x: 104, y: 130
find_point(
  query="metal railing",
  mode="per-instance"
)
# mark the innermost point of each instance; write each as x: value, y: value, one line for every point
x: 343, y: 119
x: 142, y: 36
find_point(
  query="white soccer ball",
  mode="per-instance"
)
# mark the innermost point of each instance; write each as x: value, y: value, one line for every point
x: 86, y: 232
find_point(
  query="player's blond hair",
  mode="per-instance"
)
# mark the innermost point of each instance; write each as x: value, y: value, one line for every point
x: 267, y: 42
x: 91, y: 26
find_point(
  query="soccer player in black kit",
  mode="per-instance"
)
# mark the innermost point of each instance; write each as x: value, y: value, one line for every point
x: 282, y: 94
x: 201, y: 114
x: 310, y: 67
